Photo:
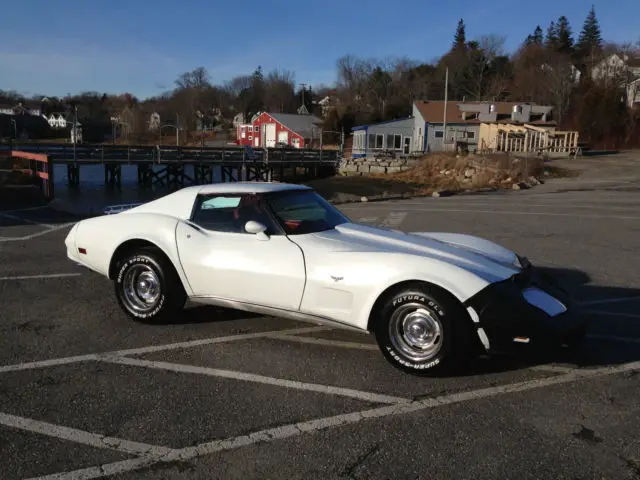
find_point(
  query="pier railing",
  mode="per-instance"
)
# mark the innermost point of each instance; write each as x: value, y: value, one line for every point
x: 133, y: 154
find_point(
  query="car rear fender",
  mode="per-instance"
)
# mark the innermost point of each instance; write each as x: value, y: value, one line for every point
x: 104, y: 237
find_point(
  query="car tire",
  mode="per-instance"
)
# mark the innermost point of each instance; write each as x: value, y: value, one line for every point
x: 147, y: 286
x: 423, y: 331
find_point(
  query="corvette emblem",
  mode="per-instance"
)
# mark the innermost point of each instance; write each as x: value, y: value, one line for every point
x: 336, y: 279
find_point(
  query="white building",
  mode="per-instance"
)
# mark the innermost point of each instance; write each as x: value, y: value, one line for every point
x: 56, y: 120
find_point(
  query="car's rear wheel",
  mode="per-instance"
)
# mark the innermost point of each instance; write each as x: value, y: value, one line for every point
x: 422, y: 330
x: 147, y: 286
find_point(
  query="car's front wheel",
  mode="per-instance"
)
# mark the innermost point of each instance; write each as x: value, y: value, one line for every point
x: 422, y: 331
x: 147, y: 287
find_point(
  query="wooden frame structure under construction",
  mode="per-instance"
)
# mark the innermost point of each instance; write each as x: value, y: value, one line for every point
x: 529, y: 139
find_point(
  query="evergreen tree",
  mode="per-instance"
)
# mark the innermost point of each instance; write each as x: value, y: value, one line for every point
x: 564, y: 36
x: 460, y: 38
x: 536, y: 39
x: 551, y: 41
x: 538, y: 36
x: 590, y: 38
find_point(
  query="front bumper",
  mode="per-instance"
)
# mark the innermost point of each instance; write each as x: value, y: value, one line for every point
x: 528, y: 308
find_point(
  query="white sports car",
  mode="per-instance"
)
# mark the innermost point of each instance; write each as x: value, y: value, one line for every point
x: 279, y: 249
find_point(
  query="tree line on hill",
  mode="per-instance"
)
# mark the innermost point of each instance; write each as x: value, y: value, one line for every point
x: 551, y: 68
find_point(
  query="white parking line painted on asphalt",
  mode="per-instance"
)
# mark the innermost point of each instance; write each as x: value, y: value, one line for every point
x: 250, y: 377
x: 37, y: 234
x: 81, y: 436
x: 36, y: 277
x: 508, y: 212
x: 610, y: 300
x: 153, y: 348
x: 101, y: 471
x: 367, y: 219
x: 324, y: 341
x: 311, y: 426
x: 393, y: 220
x: 48, y: 363
x: 25, y: 220
x: 213, y: 340
x: 552, y: 368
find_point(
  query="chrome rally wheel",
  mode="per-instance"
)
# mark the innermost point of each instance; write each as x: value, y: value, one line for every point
x: 416, y: 332
x: 147, y: 286
x: 422, y: 329
x: 142, y: 289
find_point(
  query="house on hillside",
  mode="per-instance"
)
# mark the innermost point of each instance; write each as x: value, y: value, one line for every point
x: 268, y: 130
x: 238, y: 119
x: 20, y: 109
x: 633, y: 93
x: 472, y: 126
x: 391, y: 138
x: 326, y: 104
x: 57, y: 120
x: 616, y: 65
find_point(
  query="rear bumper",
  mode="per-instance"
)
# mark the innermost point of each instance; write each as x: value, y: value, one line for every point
x: 529, y: 308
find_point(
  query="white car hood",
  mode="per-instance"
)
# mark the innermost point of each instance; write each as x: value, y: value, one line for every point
x: 478, y: 255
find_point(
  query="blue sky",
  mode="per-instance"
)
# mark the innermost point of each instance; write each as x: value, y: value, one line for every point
x: 117, y: 46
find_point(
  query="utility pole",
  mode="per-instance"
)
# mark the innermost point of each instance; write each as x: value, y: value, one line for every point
x: 444, y: 119
x: 177, y: 129
x: 75, y: 130
x: 303, y: 85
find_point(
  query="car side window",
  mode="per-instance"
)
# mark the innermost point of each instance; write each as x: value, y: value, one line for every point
x: 230, y: 213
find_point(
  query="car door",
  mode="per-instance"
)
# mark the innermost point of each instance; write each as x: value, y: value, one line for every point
x: 221, y: 259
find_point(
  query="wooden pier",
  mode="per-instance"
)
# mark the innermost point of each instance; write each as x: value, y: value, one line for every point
x: 165, y: 165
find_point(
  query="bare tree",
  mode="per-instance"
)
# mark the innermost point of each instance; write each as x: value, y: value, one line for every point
x: 481, y: 65
x: 559, y: 79
x: 279, y: 91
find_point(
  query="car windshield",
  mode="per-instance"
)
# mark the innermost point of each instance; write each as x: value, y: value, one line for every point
x: 304, y: 211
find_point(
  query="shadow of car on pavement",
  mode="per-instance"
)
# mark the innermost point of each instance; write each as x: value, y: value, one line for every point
x: 593, y: 353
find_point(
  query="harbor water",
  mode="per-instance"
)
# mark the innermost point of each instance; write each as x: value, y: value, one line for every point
x: 92, y: 196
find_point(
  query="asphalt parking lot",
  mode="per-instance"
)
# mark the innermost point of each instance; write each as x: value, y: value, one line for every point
x: 86, y: 393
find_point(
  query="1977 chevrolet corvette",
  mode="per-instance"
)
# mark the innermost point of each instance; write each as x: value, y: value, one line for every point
x: 431, y: 299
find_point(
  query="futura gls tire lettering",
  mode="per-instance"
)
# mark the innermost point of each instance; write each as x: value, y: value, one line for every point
x: 420, y: 330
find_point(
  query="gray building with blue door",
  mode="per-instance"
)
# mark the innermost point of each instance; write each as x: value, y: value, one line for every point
x: 393, y: 137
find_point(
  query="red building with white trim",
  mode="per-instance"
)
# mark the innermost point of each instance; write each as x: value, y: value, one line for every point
x: 268, y: 130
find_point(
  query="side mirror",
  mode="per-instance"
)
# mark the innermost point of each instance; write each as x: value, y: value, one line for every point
x: 256, y: 228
